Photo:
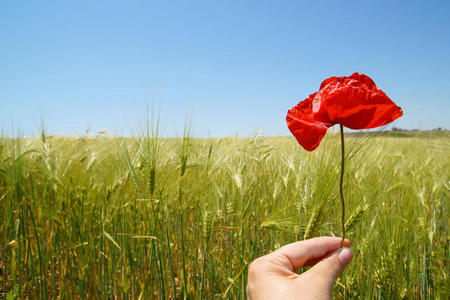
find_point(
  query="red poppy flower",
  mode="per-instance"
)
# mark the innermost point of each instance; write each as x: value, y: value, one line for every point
x: 353, y: 101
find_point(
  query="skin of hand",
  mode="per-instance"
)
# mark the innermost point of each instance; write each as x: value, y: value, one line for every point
x: 272, y: 276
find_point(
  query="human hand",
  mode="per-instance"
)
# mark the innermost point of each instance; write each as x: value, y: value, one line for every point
x: 272, y: 276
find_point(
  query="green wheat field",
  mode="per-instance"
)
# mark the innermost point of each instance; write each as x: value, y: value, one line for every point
x: 158, y: 218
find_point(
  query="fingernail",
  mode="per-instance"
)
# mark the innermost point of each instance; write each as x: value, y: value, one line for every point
x: 345, y: 256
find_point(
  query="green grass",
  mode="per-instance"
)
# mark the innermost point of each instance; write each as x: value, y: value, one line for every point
x: 146, y: 217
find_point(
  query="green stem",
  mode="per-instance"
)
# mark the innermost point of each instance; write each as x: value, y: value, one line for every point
x: 340, y: 185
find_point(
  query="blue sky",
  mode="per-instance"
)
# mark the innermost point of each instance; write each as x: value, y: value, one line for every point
x: 234, y: 66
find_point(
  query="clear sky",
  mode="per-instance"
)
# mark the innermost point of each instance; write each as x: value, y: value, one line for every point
x: 235, y: 66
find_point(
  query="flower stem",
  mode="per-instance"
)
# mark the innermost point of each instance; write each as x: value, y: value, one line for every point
x: 340, y: 185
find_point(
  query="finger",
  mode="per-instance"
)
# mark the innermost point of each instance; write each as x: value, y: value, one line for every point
x: 313, y: 261
x: 302, y: 252
x: 331, y: 266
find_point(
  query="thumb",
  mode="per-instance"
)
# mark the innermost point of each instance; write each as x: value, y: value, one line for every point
x: 327, y: 270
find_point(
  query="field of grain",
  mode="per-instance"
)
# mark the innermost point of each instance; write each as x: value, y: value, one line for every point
x: 149, y: 217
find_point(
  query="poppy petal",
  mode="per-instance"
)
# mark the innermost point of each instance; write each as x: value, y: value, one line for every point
x: 308, y: 131
x: 361, y: 80
x: 356, y: 79
x: 354, y: 104
x: 353, y: 101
